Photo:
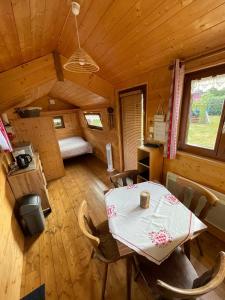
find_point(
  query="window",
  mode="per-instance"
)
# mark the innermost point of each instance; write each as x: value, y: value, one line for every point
x: 94, y: 120
x: 203, y: 114
x: 58, y: 122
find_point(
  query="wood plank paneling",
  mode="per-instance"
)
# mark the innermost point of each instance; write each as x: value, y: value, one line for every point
x: 202, y: 170
x: 27, y: 82
x: 135, y: 37
x: 205, y: 171
x: 126, y: 38
x: 92, y: 82
x: 72, y: 126
x: 163, y: 38
x: 10, y: 52
x: 30, y: 29
x: 46, y: 106
x: 76, y: 94
x: 23, y: 85
x: 64, y: 253
x: 99, y: 138
x: 12, y: 242
x: 41, y: 133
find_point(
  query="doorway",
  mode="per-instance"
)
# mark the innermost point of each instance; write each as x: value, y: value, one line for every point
x: 132, y: 109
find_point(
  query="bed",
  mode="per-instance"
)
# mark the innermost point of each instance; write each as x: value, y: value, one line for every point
x: 74, y: 146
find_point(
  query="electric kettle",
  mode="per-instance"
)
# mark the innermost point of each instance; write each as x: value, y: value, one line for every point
x: 23, y: 160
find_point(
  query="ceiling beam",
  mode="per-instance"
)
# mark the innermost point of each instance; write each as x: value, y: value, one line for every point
x: 58, y: 65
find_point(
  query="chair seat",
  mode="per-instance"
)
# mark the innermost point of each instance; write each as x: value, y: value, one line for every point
x: 177, y: 271
x: 108, y: 245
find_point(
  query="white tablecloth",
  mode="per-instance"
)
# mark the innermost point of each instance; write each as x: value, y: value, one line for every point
x: 154, y: 232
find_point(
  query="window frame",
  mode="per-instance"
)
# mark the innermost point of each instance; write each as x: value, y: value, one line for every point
x: 219, y: 150
x: 62, y: 122
x: 93, y: 126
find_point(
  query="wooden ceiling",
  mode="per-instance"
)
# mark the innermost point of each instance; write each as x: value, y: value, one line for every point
x: 125, y: 37
x: 75, y: 94
x: 24, y: 84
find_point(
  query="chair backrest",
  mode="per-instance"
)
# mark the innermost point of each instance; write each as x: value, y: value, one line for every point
x: 124, y: 178
x: 202, y: 285
x: 86, y: 224
x: 200, y: 199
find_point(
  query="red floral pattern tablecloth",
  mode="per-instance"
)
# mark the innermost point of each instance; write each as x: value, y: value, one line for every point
x: 154, y: 232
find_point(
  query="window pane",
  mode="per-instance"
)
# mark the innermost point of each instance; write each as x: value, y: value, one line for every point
x: 58, y: 122
x: 207, y: 99
x: 94, y: 120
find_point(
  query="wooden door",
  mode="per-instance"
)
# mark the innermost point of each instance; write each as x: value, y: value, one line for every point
x: 132, y: 126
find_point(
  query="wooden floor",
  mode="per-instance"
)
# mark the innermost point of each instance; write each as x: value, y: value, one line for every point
x: 60, y: 257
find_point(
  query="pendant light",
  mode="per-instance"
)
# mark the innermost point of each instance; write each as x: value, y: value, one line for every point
x: 80, y: 61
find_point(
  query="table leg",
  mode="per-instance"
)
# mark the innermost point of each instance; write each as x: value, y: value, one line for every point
x: 187, y: 249
x: 129, y: 277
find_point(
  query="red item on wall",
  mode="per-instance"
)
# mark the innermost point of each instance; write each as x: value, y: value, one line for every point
x: 4, y: 139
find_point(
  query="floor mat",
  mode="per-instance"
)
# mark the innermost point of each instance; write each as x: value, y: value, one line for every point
x: 38, y: 294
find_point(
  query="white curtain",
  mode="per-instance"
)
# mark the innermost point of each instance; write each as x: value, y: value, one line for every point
x: 4, y: 140
x: 176, y: 92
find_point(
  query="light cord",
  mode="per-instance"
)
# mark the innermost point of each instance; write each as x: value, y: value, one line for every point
x: 78, y: 38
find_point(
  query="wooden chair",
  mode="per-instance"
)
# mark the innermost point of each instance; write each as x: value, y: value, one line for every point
x: 104, y: 245
x: 196, y: 197
x: 124, y: 178
x: 176, y: 278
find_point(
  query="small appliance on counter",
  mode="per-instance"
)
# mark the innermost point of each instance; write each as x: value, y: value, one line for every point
x: 23, y: 155
x: 23, y: 160
x: 22, y: 148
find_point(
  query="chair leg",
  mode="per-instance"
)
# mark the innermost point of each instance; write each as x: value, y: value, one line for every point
x: 199, y: 246
x: 129, y: 277
x: 92, y: 255
x: 187, y: 249
x: 104, y: 281
x: 136, y: 267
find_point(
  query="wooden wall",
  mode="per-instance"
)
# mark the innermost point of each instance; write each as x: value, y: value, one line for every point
x: 68, y: 111
x: 99, y: 138
x: 11, y: 241
x: 41, y: 133
x: 72, y: 125
x: 206, y: 171
x: 44, y: 103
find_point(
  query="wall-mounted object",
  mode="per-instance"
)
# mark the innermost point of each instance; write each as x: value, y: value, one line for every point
x: 160, y: 124
x: 159, y: 128
x: 28, y: 112
x: 10, y: 132
x: 51, y: 101
x: 5, y: 144
x: 110, y: 111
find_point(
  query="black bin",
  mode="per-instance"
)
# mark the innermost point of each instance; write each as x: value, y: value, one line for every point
x: 31, y: 213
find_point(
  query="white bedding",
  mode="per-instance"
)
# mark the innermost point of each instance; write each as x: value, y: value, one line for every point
x: 74, y: 146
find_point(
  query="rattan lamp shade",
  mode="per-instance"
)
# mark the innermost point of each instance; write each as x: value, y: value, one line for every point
x: 81, y: 62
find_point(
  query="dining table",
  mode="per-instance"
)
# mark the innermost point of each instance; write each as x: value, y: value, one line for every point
x: 153, y: 232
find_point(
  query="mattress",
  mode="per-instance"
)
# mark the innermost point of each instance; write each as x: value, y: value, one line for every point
x: 74, y: 146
